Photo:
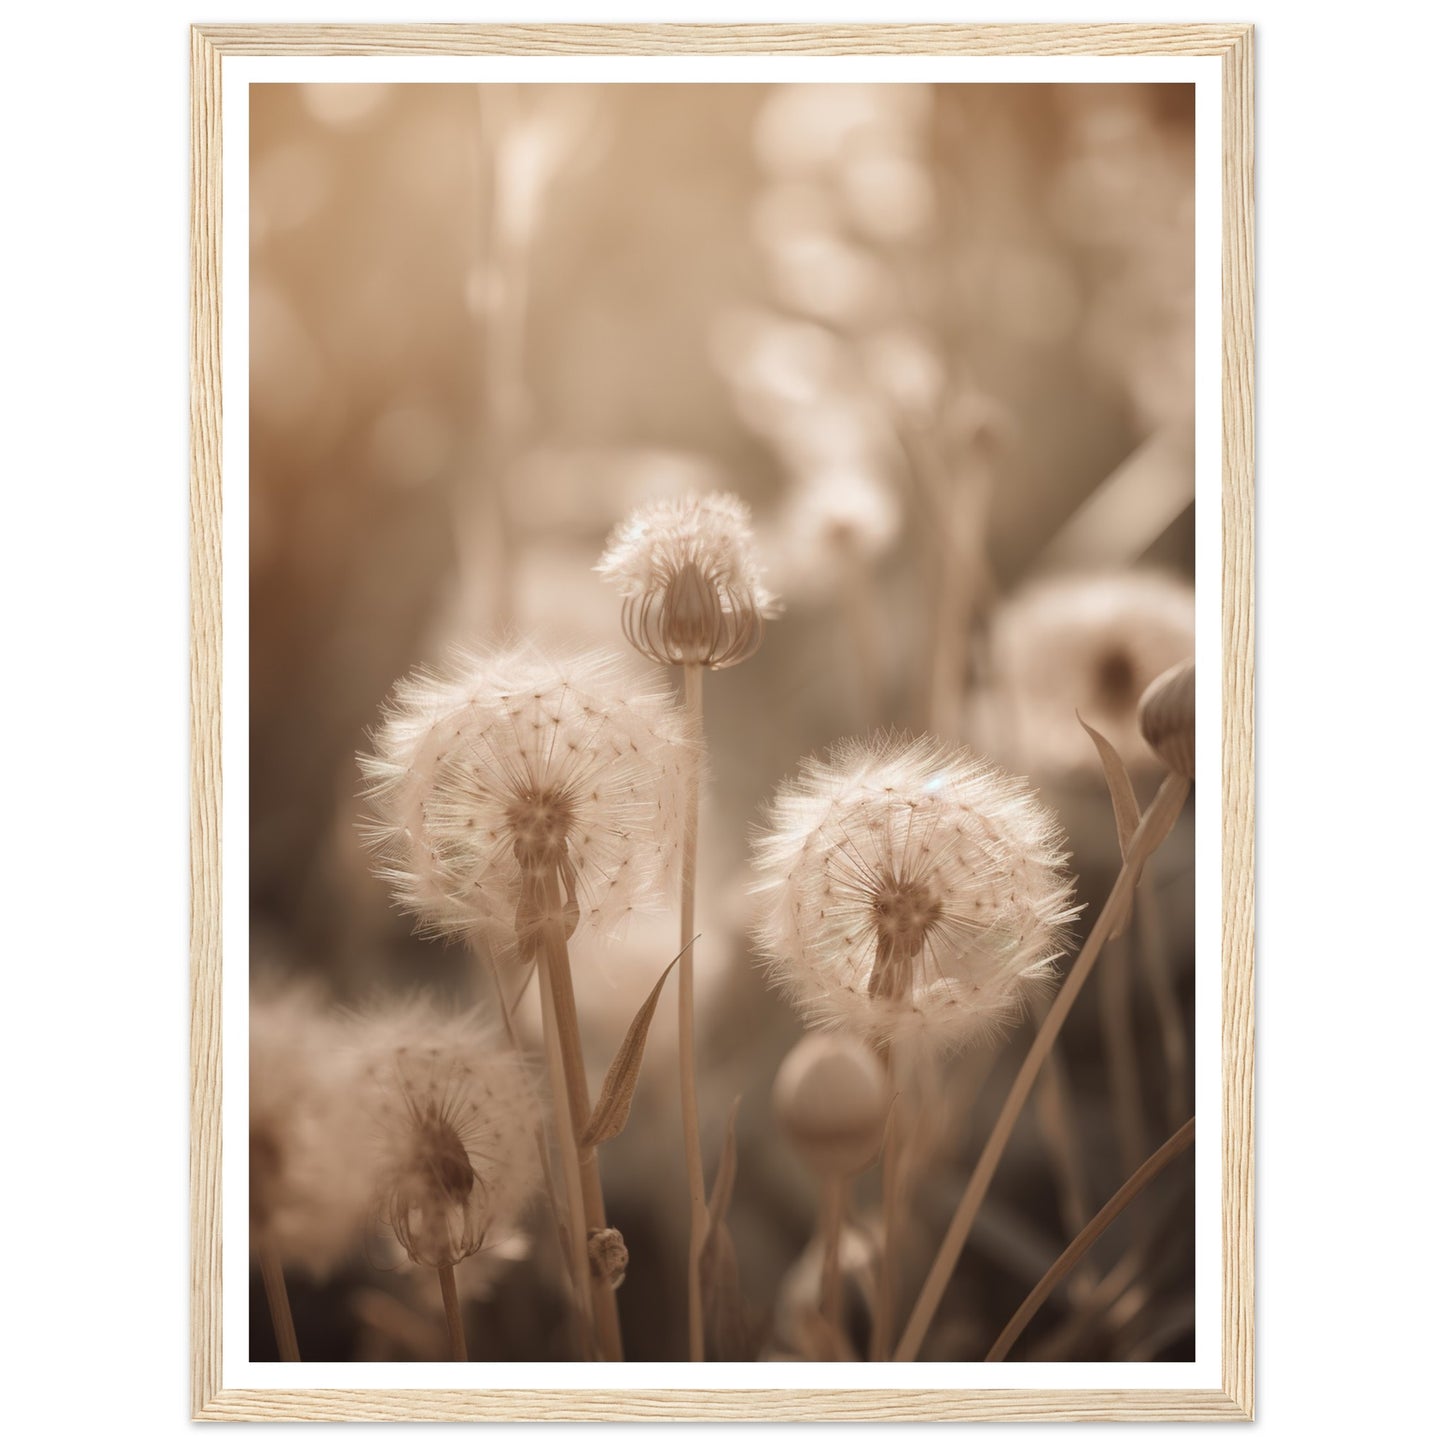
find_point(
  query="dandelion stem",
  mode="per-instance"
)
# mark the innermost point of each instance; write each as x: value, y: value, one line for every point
x: 557, y: 983
x: 279, y: 1303
x: 832, y: 1207
x: 882, y: 1333
x: 1165, y: 808
x: 1148, y: 1171
x: 507, y: 1010
x: 686, y: 1057
x: 450, y: 1304
x: 566, y: 1148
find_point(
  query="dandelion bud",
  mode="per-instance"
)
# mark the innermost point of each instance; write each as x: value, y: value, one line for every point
x: 913, y: 893
x: 1166, y: 718
x: 832, y: 1099
x: 607, y: 1254
x: 691, y: 586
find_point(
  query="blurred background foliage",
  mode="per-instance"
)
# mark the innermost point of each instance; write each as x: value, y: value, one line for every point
x: 941, y: 339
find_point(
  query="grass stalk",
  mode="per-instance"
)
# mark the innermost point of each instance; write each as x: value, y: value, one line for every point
x: 1165, y: 808
x: 1148, y: 1171
x: 1058, y: 1127
x: 1121, y: 1053
x: 1149, y: 930
x: 279, y: 1303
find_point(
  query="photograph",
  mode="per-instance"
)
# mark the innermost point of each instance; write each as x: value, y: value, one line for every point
x: 721, y: 593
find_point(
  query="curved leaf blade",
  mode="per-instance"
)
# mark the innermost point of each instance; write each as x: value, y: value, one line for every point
x: 614, y: 1102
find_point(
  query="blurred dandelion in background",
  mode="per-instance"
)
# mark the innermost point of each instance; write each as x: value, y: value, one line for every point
x: 1085, y: 644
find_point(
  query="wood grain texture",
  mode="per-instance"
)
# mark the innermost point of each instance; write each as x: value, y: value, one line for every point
x: 1237, y: 998
x: 721, y: 39
x: 205, y: 722
x: 1233, y: 44
x: 660, y: 1406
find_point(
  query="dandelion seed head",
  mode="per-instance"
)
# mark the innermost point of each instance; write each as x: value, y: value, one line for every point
x: 912, y: 893
x: 516, y: 762
x: 452, y: 1117
x: 308, y: 1168
x: 692, y: 588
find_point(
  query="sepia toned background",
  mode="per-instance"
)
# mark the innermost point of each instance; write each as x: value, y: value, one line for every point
x: 487, y: 322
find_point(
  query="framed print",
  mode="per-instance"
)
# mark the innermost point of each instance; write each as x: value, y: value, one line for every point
x: 722, y: 722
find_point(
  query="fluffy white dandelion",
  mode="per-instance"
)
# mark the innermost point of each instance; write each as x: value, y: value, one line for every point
x: 453, y: 1119
x: 692, y: 588
x: 517, y: 765
x: 1088, y: 645
x: 309, y: 1179
x: 912, y: 893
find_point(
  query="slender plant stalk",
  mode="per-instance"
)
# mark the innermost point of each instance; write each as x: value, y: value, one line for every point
x: 833, y: 1208
x: 1149, y: 1170
x: 484, y: 524
x: 860, y: 616
x: 557, y: 980
x: 514, y: 1042
x: 452, y: 1306
x: 279, y: 1303
x: 882, y: 1333
x: 1107, y: 1296
x: 1058, y: 1128
x: 686, y: 1055
x: 578, y: 1284
x: 576, y: 1233
x: 1121, y: 1052
x: 1163, y: 811
x: 1062, y: 1341
x: 957, y: 523
x: 1173, y: 1035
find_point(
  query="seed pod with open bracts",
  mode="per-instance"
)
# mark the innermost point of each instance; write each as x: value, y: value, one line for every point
x: 692, y: 590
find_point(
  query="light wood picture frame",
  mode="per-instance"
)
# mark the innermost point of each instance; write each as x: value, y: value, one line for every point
x: 1233, y: 1397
